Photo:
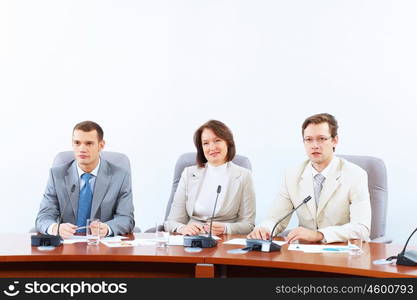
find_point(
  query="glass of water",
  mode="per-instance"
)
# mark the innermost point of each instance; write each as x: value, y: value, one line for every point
x: 355, y: 246
x: 93, y: 231
x: 161, y: 237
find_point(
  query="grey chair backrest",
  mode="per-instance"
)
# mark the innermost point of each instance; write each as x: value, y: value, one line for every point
x: 378, y: 190
x: 189, y: 159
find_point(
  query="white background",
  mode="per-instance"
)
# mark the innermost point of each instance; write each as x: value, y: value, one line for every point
x: 151, y: 72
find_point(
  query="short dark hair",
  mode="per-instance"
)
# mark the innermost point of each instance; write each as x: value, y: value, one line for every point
x: 322, y: 118
x: 223, y: 132
x: 88, y: 126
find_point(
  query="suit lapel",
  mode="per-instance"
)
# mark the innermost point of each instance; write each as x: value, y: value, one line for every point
x: 330, y: 185
x: 232, y: 187
x: 72, y: 178
x: 306, y: 188
x: 101, y: 186
x: 197, y: 177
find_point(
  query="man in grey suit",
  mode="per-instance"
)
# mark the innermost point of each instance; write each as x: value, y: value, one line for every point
x: 87, y: 187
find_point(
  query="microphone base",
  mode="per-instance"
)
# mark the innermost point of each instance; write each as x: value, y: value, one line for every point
x: 408, y: 258
x: 261, y: 245
x: 199, y: 241
x: 45, y: 240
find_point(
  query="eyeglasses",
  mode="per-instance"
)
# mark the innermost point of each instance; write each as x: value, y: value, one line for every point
x: 319, y: 140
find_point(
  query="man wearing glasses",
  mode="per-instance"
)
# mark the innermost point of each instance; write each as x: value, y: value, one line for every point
x: 340, y: 208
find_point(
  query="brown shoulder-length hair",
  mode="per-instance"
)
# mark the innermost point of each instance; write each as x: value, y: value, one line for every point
x: 223, y: 132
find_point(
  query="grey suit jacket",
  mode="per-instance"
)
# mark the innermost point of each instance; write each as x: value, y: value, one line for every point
x: 112, y: 197
x: 344, y: 209
x: 238, y: 209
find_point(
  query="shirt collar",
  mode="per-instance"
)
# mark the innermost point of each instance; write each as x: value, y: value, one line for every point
x: 94, y: 172
x: 220, y: 168
x: 326, y: 170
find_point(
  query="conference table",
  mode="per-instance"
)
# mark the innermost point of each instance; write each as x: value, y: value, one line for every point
x: 19, y: 259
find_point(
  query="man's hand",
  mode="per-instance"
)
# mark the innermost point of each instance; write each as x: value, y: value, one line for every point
x: 304, y: 234
x: 191, y: 229
x: 66, y: 230
x: 259, y: 233
x: 216, y: 229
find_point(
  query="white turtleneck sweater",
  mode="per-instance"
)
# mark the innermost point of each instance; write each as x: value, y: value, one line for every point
x: 214, y: 177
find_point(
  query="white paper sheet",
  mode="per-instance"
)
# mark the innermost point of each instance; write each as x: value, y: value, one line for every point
x: 117, y: 244
x: 83, y: 238
x: 174, y: 240
x: 319, y: 248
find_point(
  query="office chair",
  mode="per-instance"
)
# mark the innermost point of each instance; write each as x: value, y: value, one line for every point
x: 378, y: 191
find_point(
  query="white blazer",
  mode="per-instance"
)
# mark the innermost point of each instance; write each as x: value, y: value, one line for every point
x: 344, y: 208
x: 237, y: 211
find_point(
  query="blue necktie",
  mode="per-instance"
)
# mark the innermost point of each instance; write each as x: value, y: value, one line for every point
x: 84, y: 203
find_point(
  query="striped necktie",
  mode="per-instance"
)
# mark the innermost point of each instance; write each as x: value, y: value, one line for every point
x: 318, y: 185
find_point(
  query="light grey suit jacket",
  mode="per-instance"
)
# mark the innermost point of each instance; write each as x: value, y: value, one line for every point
x: 344, y: 209
x: 112, y: 197
x: 238, y: 209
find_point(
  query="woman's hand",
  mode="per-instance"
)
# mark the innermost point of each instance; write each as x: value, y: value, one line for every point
x: 217, y: 228
x: 191, y: 229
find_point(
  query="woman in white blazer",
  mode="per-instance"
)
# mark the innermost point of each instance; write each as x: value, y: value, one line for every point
x: 195, y: 197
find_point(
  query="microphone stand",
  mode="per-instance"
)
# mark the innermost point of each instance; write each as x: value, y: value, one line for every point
x: 60, y: 217
x: 269, y: 245
x: 406, y: 258
x: 201, y: 241
x: 50, y: 239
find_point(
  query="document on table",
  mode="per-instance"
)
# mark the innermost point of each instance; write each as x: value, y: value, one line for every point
x: 174, y: 240
x: 129, y: 243
x: 319, y: 248
x: 83, y: 238
x: 121, y: 243
x: 243, y: 242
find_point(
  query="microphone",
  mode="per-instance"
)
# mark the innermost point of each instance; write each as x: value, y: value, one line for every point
x: 50, y: 239
x: 269, y: 245
x: 202, y: 241
x: 407, y: 258
x: 219, y: 189
x: 62, y: 212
